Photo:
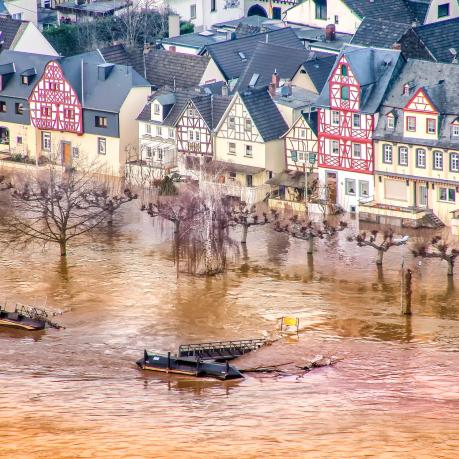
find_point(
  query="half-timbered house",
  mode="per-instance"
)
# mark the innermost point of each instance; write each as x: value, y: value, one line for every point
x: 347, y: 109
x: 248, y: 144
x: 66, y: 108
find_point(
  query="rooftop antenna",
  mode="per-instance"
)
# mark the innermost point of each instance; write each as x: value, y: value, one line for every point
x: 174, y: 84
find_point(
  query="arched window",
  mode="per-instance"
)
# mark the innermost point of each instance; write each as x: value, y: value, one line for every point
x: 344, y: 70
x: 345, y: 92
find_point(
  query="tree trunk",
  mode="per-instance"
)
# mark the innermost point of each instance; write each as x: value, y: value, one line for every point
x: 379, y: 257
x: 245, y: 230
x: 406, y: 300
x: 63, y: 246
x: 209, y: 255
x: 177, y: 245
x: 450, y: 266
x: 310, y: 246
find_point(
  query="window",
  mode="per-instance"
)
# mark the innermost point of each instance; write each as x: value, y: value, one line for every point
x: 213, y: 5
x: 357, y: 150
x: 438, y: 160
x: 387, y: 153
x: 232, y: 175
x: 101, y: 121
x: 335, y: 118
x: 411, y: 123
x: 149, y: 152
x: 75, y: 152
x: 443, y: 10
x: 191, y: 112
x: 248, y: 151
x: 454, y: 162
x: 45, y: 112
x: 156, y: 109
x: 336, y: 19
x: 197, y: 136
x: 431, y: 126
x: 447, y: 194
x: 321, y: 9
x: 455, y: 130
x: 248, y: 124
x: 46, y: 141
x: 160, y: 154
x: 2, y: 106
x: 192, y: 11
x: 294, y: 156
x: 18, y: 108
x: 69, y: 114
x: 231, y: 148
x: 231, y: 122
x: 345, y: 93
x: 390, y: 121
x: 277, y: 13
x: 147, y: 129
x: 420, y: 158
x: 19, y: 140
x: 335, y: 147
x: 303, y: 133
x: 101, y: 145
x: 171, y: 133
x: 52, y: 86
x: 364, y: 188
x: 350, y: 187
x: 159, y: 130
x: 403, y: 156
x: 301, y: 156
x: 25, y: 79
x: 17, y: 16
x: 356, y: 120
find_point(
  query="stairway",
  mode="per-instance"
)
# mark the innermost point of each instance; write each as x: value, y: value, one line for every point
x: 432, y: 221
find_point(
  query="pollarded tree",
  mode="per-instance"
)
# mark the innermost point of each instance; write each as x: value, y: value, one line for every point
x: 308, y: 230
x: 380, y: 243
x: 437, y: 248
x: 55, y: 206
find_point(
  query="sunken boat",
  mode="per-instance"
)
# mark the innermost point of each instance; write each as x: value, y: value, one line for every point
x: 188, y: 366
x: 26, y: 318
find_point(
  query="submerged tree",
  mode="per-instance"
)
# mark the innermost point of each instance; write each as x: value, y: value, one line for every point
x: 381, y: 244
x: 308, y: 230
x: 51, y: 206
x: 437, y: 248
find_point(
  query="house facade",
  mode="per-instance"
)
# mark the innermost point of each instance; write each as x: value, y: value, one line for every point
x: 347, y: 115
x: 64, y: 109
x: 417, y: 149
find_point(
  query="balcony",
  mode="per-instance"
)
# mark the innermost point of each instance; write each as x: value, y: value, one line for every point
x: 248, y: 194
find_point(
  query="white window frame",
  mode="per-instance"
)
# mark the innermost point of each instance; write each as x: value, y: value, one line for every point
x: 421, y: 153
x: 348, y: 184
x: 356, y: 116
x: 431, y: 126
x: 171, y: 133
x: 356, y: 146
x: 387, y: 153
x: 454, y: 162
x: 232, y: 148
x: 248, y: 151
x: 248, y: 124
x: 193, y: 11
x: 438, y: 160
x: 333, y: 144
x: 231, y: 122
x: 156, y: 109
x: 147, y: 128
x: 46, y: 141
x: 447, y: 194
x: 335, y: 118
x: 159, y: 130
x: 411, y: 127
x: 405, y: 156
x: 455, y: 130
x: 101, y: 146
x: 364, y: 183
x: 390, y: 121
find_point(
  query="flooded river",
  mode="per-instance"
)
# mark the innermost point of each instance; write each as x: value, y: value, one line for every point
x: 76, y: 393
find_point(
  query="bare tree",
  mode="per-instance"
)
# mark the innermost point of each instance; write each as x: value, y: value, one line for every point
x: 381, y: 244
x: 308, y: 230
x: 52, y: 206
x: 437, y: 248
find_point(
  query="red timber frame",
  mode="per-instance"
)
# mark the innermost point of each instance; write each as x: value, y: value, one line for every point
x: 344, y: 132
x: 54, y: 104
x: 188, y: 124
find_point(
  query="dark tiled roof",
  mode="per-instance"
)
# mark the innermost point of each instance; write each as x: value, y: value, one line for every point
x: 390, y: 10
x: 379, y: 33
x: 440, y: 37
x: 233, y: 56
x: 264, y: 113
x: 374, y: 69
x: 160, y: 67
x: 211, y: 108
x: 196, y: 40
x: 268, y: 58
x: 11, y: 30
x: 418, y: 9
x: 319, y: 69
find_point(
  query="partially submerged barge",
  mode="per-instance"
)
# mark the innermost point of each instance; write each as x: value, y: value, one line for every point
x: 26, y: 318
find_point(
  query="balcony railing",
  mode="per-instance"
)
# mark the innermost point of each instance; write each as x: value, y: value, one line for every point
x: 248, y: 194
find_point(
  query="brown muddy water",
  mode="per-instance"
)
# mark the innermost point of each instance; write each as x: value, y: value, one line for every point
x: 76, y: 393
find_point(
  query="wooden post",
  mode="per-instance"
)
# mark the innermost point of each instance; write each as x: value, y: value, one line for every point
x: 168, y: 361
x: 406, y: 305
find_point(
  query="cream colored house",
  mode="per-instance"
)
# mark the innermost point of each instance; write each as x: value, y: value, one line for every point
x: 417, y: 149
x: 24, y: 10
x: 248, y: 147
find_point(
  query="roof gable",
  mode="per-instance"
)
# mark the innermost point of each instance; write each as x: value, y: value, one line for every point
x: 420, y: 102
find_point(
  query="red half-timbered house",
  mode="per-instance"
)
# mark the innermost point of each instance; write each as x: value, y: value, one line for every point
x: 347, y: 110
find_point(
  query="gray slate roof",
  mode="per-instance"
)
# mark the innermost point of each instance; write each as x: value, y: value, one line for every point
x: 11, y: 30
x: 196, y: 40
x: 107, y: 95
x: 439, y: 37
x: 268, y: 58
x: 160, y: 67
x: 379, y: 33
x: 233, y: 56
x: 374, y: 69
x: 264, y: 113
x: 440, y: 82
x: 319, y: 69
x: 211, y: 108
x: 390, y: 10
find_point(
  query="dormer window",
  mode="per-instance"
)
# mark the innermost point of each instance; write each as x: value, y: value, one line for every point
x: 390, y: 121
x: 25, y: 79
x: 156, y: 109
x: 344, y: 70
x: 443, y: 10
x: 455, y: 130
x: 406, y: 89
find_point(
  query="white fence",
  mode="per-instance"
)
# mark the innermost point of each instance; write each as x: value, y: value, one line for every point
x: 248, y: 194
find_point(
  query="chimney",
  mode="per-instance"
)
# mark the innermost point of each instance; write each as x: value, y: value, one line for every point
x: 103, y: 71
x: 146, y: 48
x: 330, y: 32
x: 272, y: 89
x: 275, y: 79
x: 174, y: 25
x: 225, y: 90
x: 397, y: 46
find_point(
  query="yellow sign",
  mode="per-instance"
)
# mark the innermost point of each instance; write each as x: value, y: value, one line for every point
x: 290, y: 321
